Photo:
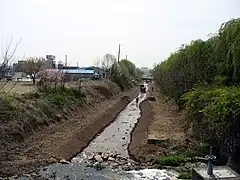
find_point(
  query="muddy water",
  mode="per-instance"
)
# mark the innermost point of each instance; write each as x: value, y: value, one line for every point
x: 113, y: 140
x: 116, y: 137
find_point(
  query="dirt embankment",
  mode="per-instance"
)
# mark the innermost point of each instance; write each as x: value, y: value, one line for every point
x: 64, y: 137
x: 159, y: 130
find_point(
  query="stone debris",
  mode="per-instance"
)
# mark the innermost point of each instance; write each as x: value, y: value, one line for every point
x: 64, y: 161
x: 114, y: 161
x: 105, y: 156
x: 111, y: 159
x: 52, y: 160
x: 98, y: 158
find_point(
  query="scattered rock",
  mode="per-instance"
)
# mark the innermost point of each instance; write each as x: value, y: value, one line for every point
x: 200, y: 164
x: 64, y: 161
x: 98, y: 158
x: 91, y: 158
x: 111, y: 159
x: 96, y: 163
x: 105, y: 157
x: 114, y: 155
x: 115, y: 165
x: 123, y: 138
x: 52, y: 160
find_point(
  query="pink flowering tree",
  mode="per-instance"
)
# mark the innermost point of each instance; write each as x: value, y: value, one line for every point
x: 50, y: 77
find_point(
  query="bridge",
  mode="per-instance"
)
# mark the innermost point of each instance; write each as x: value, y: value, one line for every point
x: 147, y: 78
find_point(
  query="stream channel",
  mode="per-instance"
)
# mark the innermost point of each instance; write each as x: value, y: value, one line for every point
x: 106, y: 157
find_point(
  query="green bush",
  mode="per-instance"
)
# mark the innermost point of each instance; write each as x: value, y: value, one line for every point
x: 185, y: 175
x: 219, y: 106
x: 11, y: 101
x: 100, y: 166
x: 174, y: 160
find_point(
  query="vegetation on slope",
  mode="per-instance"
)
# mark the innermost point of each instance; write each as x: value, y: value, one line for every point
x: 203, y: 78
x: 22, y: 115
x: 125, y: 74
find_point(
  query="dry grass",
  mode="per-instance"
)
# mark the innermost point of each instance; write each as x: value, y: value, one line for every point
x: 167, y: 122
x: 16, y: 87
x: 26, y: 87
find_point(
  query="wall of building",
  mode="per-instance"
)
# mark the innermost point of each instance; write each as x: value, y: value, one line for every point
x: 75, y: 77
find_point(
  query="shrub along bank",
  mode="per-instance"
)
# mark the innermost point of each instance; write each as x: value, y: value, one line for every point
x: 203, y: 78
x: 22, y: 115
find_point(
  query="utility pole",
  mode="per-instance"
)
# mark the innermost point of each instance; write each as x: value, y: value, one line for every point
x: 119, y: 52
x: 66, y: 60
x: 126, y: 56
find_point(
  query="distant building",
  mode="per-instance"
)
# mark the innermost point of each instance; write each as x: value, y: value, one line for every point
x: 145, y: 71
x: 5, y: 71
x: 101, y: 72
x: 19, y: 66
x: 76, y: 74
x: 50, y: 62
x: 70, y: 67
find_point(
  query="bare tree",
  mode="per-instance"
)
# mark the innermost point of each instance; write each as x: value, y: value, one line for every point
x: 107, y: 63
x: 7, y: 56
x: 32, y: 66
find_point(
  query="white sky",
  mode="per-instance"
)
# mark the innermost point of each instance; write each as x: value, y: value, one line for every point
x: 149, y: 30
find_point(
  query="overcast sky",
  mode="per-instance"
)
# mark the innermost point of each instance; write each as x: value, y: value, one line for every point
x: 149, y: 30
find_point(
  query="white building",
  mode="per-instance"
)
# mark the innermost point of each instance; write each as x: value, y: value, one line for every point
x: 145, y: 70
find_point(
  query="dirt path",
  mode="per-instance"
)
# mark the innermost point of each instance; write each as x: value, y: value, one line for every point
x: 158, y: 131
x: 66, y: 139
x: 167, y: 122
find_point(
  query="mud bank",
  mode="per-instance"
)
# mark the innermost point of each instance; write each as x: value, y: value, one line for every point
x: 139, y: 138
x: 64, y: 139
x: 81, y: 139
x: 140, y: 149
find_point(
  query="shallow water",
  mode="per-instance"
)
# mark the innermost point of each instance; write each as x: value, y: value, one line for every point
x: 116, y: 137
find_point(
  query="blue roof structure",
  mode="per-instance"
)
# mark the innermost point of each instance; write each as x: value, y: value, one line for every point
x: 77, y: 71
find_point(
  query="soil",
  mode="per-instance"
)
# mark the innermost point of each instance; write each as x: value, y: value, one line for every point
x: 159, y: 130
x: 64, y: 139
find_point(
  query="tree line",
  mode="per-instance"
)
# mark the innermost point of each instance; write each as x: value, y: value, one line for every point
x: 203, y: 78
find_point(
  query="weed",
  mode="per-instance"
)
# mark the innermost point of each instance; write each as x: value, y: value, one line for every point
x: 100, y: 166
x: 174, y: 160
x: 185, y: 175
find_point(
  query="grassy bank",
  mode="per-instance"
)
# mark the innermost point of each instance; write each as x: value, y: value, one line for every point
x: 23, y: 114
